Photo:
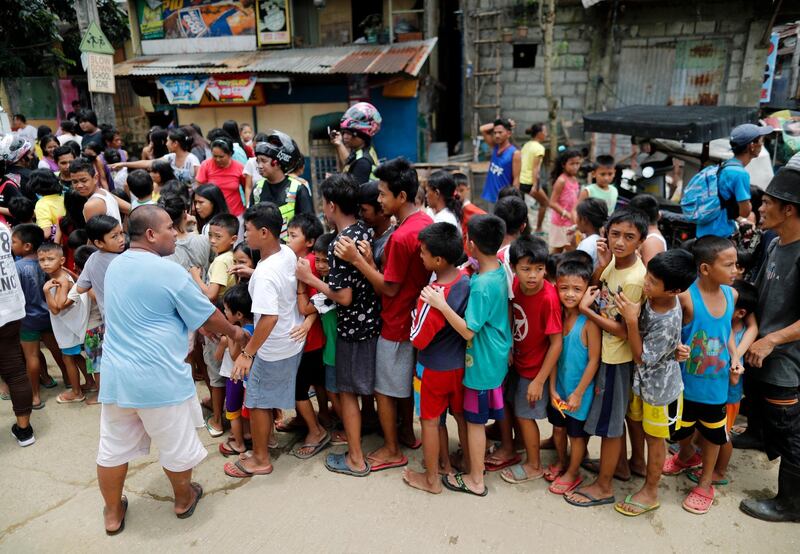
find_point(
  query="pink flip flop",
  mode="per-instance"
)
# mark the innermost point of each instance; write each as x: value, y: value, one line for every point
x: 380, y: 466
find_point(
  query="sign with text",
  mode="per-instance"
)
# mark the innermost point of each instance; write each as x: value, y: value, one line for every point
x: 183, y: 89
x: 172, y: 19
x: 100, y: 73
x: 232, y: 89
x: 272, y: 18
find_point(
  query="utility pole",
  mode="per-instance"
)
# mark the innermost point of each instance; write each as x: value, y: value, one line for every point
x: 102, y: 103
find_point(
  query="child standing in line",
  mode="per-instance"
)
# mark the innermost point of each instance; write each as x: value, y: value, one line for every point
x: 745, y: 332
x: 708, y: 308
x: 35, y: 328
x: 574, y: 382
x: 68, y: 318
x: 327, y: 314
x: 358, y: 318
x: 602, y: 189
x: 564, y: 198
x: 95, y: 320
x: 302, y: 232
x: 654, y: 335
x: 441, y: 353
x: 245, y: 259
x: 50, y: 206
x: 106, y: 235
x: 485, y: 326
x: 140, y: 186
x: 620, y: 270
x: 536, y: 314
x: 222, y: 232
x: 271, y: 356
x: 237, y: 309
x: 592, y: 217
x: 655, y: 242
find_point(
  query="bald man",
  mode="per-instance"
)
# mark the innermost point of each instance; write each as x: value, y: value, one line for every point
x: 147, y: 393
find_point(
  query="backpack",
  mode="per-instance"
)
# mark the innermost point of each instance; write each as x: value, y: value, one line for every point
x: 702, y: 201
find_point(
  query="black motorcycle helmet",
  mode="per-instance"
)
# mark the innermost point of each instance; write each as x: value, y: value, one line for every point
x: 282, y: 148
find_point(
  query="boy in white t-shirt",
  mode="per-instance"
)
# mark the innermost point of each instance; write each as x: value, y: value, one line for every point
x: 271, y: 357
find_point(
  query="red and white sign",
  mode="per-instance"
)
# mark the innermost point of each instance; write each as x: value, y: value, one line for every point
x: 231, y: 88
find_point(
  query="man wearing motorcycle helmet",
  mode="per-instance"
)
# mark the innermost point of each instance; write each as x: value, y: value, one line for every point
x: 276, y: 158
x: 12, y: 149
x: 360, y: 123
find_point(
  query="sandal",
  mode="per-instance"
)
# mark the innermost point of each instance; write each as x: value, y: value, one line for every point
x: 211, y: 431
x: 699, y: 501
x: 316, y: 448
x: 226, y: 449
x: 199, y: 494
x: 516, y: 474
x: 500, y: 464
x: 237, y: 470
x: 121, y: 527
x: 461, y: 486
x: 674, y: 466
x: 337, y: 463
x: 562, y: 488
x: 694, y: 476
x: 643, y: 508
x: 60, y: 399
x: 553, y: 472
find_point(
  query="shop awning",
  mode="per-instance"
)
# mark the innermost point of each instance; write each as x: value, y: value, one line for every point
x: 400, y: 58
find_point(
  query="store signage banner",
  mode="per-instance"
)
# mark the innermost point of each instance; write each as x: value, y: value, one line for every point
x: 231, y: 89
x: 183, y: 89
x: 172, y: 19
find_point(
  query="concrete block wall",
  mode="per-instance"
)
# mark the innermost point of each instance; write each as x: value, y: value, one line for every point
x: 580, y: 38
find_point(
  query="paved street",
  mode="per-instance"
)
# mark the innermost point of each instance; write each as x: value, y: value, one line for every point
x: 50, y: 502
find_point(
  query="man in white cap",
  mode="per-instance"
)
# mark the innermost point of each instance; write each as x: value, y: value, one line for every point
x: 775, y: 356
x: 733, y: 181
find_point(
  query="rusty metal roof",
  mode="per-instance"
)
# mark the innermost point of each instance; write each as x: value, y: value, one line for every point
x: 402, y: 57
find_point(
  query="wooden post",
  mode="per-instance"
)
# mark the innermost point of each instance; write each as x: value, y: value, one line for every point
x: 102, y: 103
x: 547, y: 21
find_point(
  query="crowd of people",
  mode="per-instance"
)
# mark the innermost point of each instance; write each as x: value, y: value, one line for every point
x: 205, y: 259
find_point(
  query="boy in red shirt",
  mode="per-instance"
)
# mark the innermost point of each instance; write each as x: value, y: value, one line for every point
x: 403, y: 278
x: 536, y: 313
x: 441, y: 353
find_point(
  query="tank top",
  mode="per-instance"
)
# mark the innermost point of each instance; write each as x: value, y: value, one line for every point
x: 500, y: 173
x: 568, y: 200
x: 112, y: 208
x: 609, y: 195
x: 571, y: 365
x: 705, y: 373
x: 659, y: 237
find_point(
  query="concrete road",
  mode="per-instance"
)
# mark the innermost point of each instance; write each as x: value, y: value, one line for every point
x: 50, y: 502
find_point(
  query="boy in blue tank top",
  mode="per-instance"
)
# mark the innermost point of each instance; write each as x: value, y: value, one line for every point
x: 654, y: 333
x: 708, y: 308
x: 506, y: 162
x: 572, y: 389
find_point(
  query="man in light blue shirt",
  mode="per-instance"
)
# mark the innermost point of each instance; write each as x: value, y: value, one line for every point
x: 733, y: 181
x: 147, y: 390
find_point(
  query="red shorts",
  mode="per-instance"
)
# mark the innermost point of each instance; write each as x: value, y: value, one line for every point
x: 439, y: 390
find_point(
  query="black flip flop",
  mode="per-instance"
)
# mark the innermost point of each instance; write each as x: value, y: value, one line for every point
x: 461, y: 486
x: 188, y: 513
x: 121, y: 527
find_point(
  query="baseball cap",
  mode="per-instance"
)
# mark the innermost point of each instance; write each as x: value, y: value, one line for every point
x: 748, y: 132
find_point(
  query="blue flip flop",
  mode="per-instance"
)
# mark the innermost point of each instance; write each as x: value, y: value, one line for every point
x: 337, y: 463
x: 592, y: 500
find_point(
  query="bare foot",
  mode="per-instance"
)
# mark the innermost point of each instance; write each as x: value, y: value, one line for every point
x: 93, y: 401
x: 420, y: 481
x: 382, y: 456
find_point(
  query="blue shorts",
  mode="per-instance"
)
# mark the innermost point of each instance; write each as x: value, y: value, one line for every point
x: 72, y: 350
x: 482, y: 405
x: 330, y: 378
x: 272, y: 384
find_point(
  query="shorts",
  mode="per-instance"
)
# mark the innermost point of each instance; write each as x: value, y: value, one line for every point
x: 482, y: 405
x: 658, y: 421
x: 355, y: 366
x: 310, y: 372
x: 557, y: 236
x: 212, y: 364
x: 394, y: 368
x: 330, y: 379
x: 126, y: 434
x: 30, y: 335
x: 526, y: 189
x: 709, y: 419
x: 72, y: 350
x: 612, y: 387
x: 271, y: 384
x: 441, y: 390
x: 543, y: 186
x: 517, y: 396
x: 732, y: 411
x: 93, y: 346
x: 574, y: 426
x: 234, y: 398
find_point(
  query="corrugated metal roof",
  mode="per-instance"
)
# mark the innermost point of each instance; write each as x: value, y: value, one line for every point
x: 403, y: 57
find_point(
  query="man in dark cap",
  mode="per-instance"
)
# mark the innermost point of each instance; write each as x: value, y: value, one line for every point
x: 776, y: 353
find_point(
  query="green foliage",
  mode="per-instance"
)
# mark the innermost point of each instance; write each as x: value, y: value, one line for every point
x: 40, y: 37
